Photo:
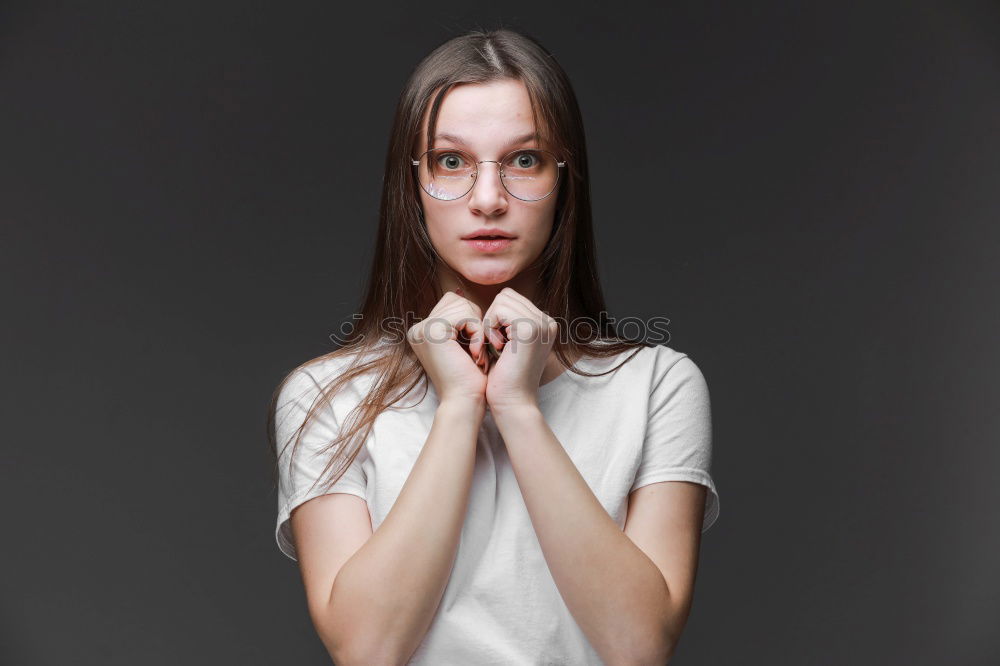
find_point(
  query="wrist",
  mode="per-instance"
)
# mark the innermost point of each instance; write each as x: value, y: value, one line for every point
x: 515, y: 410
x: 468, y: 405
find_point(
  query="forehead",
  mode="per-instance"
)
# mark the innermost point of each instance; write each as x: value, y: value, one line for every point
x: 485, y: 116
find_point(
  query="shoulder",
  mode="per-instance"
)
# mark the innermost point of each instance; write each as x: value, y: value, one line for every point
x: 664, y: 371
x: 642, y: 369
x: 675, y: 377
x: 669, y: 361
x: 317, y: 374
x: 654, y: 359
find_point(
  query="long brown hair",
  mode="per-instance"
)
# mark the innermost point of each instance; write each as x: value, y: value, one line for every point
x: 405, y: 264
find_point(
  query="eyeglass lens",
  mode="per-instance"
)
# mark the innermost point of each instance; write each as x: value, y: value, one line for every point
x: 447, y: 173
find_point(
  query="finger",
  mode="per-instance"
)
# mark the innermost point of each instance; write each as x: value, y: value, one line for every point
x: 469, y: 319
x: 453, y: 311
x: 502, y: 313
x: 517, y: 296
x: 470, y: 316
x: 483, y: 362
x: 495, y: 337
x: 457, y: 318
x: 491, y: 325
x: 472, y: 328
x: 477, y: 343
x: 526, y: 303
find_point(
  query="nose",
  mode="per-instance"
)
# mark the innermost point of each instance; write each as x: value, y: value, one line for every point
x: 488, y: 196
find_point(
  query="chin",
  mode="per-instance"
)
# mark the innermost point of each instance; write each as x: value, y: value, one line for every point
x: 487, y: 275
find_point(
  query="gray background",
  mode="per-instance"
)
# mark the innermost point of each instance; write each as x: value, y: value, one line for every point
x: 808, y: 191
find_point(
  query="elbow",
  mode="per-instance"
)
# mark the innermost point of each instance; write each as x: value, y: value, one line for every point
x: 668, y: 644
x: 359, y: 653
x: 346, y: 657
x: 348, y: 646
x: 668, y: 631
x: 650, y: 648
x: 667, y: 652
x: 657, y: 656
x: 655, y: 647
x: 339, y: 651
x: 658, y: 653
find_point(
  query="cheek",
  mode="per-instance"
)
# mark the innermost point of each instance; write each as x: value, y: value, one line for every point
x: 542, y: 229
x: 439, y: 228
x: 436, y: 233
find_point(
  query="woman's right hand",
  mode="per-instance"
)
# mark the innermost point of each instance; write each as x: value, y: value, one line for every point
x: 435, y: 341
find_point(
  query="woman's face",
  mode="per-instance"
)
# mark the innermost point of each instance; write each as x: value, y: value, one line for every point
x: 488, y: 118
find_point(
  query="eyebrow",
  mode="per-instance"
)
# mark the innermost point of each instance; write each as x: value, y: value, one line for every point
x: 513, y: 142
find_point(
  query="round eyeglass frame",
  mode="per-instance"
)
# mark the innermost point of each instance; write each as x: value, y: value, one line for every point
x: 559, y: 166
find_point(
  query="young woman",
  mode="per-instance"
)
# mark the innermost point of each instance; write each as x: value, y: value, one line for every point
x: 486, y: 472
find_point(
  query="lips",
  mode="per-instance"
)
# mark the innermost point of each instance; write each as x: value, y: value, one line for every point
x: 488, y: 234
x: 488, y: 244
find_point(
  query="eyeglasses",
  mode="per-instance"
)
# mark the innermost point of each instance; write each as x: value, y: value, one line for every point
x: 448, y: 173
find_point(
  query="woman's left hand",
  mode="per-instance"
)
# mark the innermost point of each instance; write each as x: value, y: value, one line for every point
x: 524, y: 336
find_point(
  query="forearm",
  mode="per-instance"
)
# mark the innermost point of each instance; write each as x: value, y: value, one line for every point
x: 614, y: 591
x: 391, y: 587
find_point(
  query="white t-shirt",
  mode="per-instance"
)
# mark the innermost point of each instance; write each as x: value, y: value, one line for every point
x: 648, y: 421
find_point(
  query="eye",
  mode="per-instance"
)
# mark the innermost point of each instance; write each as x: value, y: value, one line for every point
x: 525, y: 160
x: 450, y: 160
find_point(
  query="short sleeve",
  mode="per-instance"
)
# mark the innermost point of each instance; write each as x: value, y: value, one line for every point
x: 297, y: 473
x: 678, y: 440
